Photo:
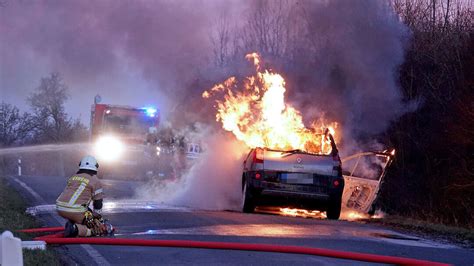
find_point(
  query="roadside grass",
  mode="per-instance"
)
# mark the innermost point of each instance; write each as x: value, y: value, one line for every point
x: 459, y: 235
x: 13, y: 217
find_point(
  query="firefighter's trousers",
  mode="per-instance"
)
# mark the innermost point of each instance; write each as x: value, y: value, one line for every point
x: 77, y: 218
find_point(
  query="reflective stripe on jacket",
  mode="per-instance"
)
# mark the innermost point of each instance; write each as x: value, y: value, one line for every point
x: 64, y: 206
x: 80, y: 190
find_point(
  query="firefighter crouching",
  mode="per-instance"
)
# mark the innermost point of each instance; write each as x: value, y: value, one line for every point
x: 73, y: 203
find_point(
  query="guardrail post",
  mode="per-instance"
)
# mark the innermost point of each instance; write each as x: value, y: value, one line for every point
x: 10, y: 249
x: 19, y: 166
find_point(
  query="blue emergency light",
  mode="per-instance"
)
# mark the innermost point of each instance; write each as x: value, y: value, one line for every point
x: 150, y: 111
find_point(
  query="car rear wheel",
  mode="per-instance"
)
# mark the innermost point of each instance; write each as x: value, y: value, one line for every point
x: 248, y: 205
x: 334, y: 209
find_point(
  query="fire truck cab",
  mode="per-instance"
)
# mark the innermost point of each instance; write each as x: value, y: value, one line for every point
x: 124, y: 138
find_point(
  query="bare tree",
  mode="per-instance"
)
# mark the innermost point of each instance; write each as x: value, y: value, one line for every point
x: 221, y: 40
x: 14, y: 127
x: 267, y: 27
x: 52, y: 123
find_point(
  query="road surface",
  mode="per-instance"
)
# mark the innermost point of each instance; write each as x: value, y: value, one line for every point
x: 179, y: 223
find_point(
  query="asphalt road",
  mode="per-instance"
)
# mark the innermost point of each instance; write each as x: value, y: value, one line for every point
x: 162, y: 222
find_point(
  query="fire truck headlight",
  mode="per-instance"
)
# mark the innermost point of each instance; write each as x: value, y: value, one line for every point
x: 108, y: 148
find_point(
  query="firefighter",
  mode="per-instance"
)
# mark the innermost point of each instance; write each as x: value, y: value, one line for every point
x: 152, y: 136
x: 73, y: 203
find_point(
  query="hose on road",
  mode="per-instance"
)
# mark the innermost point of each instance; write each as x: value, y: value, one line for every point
x: 58, y: 239
x: 43, y: 230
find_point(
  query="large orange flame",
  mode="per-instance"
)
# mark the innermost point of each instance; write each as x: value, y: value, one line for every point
x: 256, y: 112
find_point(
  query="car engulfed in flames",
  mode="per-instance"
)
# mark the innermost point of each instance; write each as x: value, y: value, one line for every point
x: 255, y: 111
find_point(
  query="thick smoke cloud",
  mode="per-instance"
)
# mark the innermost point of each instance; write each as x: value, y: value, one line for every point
x: 359, y: 46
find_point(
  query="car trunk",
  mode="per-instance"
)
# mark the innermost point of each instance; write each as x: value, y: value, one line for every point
x: 295, y: 167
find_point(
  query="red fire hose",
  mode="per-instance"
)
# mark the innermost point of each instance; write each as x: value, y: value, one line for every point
x: 43, y: 230
x: 57, y: 235
x: 58, y: 239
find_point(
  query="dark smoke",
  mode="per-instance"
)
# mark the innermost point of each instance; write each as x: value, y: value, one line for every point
x: 360, y: 46
x: 340, y: 60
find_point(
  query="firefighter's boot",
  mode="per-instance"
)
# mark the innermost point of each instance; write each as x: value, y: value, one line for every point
x: 109, y: 229
x: 70, y: 229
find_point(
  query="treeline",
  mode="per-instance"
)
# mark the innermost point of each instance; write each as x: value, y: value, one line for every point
x: 46, y: 122
x: 433, y: 175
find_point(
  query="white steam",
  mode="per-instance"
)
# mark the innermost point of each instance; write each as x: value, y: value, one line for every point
x: 213, y: 182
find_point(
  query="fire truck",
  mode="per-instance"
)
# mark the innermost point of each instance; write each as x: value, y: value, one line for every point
x: 124, y: 139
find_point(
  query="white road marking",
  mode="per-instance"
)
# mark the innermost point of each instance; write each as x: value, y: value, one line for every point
x: 30, y: 190
x: 93, y: 253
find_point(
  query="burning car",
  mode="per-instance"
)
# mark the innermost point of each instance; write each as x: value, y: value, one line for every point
x: 293, y: 178
x: 289, y: 163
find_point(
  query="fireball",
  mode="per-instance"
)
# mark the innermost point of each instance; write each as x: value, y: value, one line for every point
x: 255, y: 111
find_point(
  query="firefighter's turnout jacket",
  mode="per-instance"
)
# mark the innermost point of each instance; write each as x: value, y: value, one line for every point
x: 81, y: 189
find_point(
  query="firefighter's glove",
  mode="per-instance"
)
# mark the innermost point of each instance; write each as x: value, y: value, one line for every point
x: 88, y: 218
x: 98, y: 228
x: 95, y: 224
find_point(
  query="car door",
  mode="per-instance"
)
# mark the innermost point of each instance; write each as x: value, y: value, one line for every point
x: 363, y: 174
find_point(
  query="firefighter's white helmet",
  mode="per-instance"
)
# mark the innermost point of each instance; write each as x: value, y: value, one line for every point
x: 89, y: 163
